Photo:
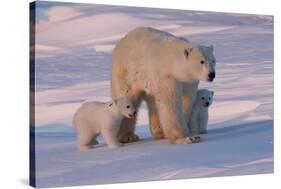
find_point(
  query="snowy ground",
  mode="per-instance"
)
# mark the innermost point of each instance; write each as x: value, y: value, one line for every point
x: 73, y: 66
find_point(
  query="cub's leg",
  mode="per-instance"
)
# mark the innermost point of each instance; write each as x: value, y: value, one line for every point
x: 202, y: 123
x: 110, y: 136
x: 84, y: 139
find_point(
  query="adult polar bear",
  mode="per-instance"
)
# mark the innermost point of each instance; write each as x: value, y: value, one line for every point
x: 150, y: 65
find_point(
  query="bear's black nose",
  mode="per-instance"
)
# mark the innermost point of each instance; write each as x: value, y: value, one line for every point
x: 135, y: 113
x: 212, y: 75
x: 207, y: 104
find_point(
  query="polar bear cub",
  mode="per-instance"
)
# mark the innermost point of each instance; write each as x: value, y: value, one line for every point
x: 199, y: 116
x: 93, y: 118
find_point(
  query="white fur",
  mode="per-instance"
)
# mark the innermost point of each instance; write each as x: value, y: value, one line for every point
x: 93, y: 118
x: 190, y: 88
x: 199, y: 115
x: 150, y: 65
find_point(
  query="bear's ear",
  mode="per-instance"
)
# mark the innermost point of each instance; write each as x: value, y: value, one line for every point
x: 212, y: 92
x: 211, y: 48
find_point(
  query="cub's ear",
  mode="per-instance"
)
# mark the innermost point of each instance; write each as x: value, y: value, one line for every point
x: 187, y: 51
x: 212, y: 92
x: 211, y: 48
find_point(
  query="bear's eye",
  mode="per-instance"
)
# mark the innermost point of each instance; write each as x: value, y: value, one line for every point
x: 202, y: 98
x: 213, y: 61
x: 202, y: 61
x: 128, y: 106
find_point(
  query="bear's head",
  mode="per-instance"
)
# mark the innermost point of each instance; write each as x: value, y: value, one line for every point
x: 204, y: 97
x: 198, y: 63
x: 125, y: 107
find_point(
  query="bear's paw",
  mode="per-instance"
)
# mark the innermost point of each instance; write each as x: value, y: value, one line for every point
x: 187, y: 140
x: 129, y: 138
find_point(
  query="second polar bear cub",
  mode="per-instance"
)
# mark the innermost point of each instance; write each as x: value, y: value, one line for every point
x: 199, y: 116
x: 93, y: 118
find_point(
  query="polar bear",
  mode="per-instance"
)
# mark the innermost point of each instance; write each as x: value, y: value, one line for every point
x: 190, y: 89
x: 150, y: 65
x: 189, y: 93
x: 199, y: 115
x: 93, y: 118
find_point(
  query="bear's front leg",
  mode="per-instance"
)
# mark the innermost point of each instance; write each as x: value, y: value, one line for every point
x: 172, y: 119
x: 188, y: 98
x: 187, y: 110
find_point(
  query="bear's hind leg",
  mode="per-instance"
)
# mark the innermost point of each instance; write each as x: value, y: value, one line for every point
x: 126, y: 133
x: 154, y: 122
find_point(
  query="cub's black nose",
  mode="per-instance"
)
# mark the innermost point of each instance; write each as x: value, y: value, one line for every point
x: 212, y: 76
x: 207, y: 104
x: 135, y: 113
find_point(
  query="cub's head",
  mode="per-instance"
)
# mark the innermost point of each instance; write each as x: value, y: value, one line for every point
x: 204, y: 97
x: 198, y: 63
x: 125, y: 107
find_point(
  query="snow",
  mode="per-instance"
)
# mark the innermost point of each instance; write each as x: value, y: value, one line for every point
x: 73, y: 67
x: 104, y: 48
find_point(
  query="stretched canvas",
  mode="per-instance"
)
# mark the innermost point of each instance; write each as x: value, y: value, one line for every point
x: 73, y: 51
